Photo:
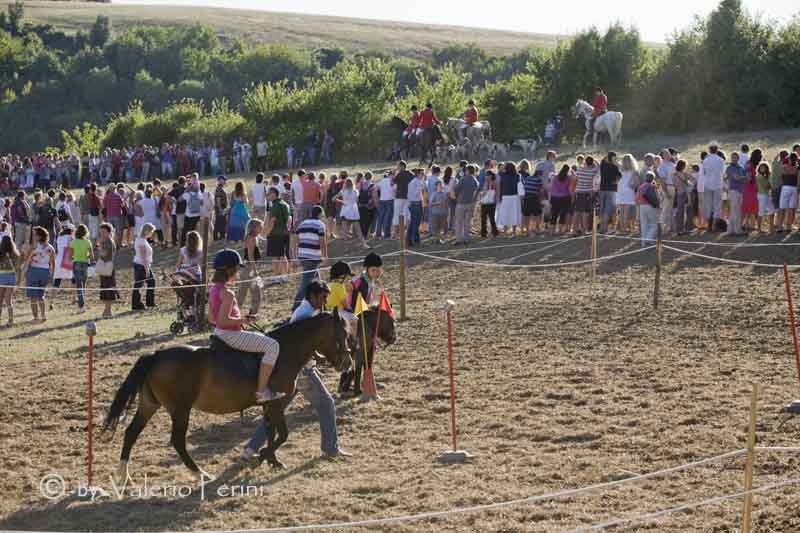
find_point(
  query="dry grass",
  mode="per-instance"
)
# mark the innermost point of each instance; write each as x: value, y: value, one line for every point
x: 305, y: 31
x: 560, y: 386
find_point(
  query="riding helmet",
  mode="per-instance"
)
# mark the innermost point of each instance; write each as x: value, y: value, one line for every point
x: 373, y: 260
x: 227, y: 258
x: 340, y: 269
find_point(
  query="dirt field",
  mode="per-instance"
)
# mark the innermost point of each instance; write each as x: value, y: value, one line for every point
x: 560, y: 386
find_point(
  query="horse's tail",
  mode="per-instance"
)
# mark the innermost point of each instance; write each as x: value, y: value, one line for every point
x: 128, y: 391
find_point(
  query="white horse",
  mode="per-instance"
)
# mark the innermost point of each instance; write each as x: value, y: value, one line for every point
x: 610, y: 121
x: 478, y: 132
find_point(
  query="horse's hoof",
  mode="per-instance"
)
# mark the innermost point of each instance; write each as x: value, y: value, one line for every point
x: 202, y: 476
x: 277, y: 465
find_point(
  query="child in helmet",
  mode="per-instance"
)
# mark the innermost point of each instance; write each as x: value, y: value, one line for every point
x: 224, y: 313
x: 341, y: 288
x: 365, y: 284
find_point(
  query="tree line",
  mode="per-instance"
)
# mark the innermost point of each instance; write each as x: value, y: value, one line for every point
x: 149, y: 85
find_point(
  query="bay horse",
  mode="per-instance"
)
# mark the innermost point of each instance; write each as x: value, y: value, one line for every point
x: 386, y: 333
x: 221, y: 380
x: 426, y: 142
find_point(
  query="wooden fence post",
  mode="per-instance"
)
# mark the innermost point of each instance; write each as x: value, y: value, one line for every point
x: 657, y: 285
x: 402, y: 237
x: 748, y: 470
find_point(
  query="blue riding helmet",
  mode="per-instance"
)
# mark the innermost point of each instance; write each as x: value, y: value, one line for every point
x: 227, y: 258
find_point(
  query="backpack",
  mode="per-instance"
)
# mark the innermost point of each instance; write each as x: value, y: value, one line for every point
x: 364, y: 194
x: 195, y: 202
x: 63, y: 216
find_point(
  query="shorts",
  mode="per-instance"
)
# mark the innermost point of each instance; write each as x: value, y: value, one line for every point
x: 400, y: 208
x: 37, y: 280
x: 788, y: 197
x: 627, y: 212
x: 584, y: 202
x: 560, y: 207
x: 8, y: 278
x: 131, y: 221
x: 765, y: 205
x: 776, y: 197
x: 278, y: 246
x: 531, y: 205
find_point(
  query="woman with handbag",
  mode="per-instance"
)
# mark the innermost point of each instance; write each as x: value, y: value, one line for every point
x: 105, y: 268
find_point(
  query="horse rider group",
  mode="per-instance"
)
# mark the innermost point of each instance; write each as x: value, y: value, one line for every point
x: 421, y: 121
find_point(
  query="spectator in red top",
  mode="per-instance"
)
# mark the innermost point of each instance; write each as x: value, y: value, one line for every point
x: 413, y: 125
x: 428, y: 117
x: 600, y: 105
x: 113, y: 207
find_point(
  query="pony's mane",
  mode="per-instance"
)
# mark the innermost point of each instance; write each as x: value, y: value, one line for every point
x: 289, y: 327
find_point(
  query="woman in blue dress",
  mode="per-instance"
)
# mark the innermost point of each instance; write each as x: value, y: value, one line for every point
x: 239, y: 215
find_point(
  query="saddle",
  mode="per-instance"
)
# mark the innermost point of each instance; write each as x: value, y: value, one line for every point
x: 218, y: 346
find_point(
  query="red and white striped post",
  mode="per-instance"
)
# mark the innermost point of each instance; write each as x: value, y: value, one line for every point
x: 794, y: 407
x: 455, y: 455
x: 89, y: 491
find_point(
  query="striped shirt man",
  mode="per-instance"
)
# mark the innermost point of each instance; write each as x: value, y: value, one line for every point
x: 585, y: 179
x: 310, y: 240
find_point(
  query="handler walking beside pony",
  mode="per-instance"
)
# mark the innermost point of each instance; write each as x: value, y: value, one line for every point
x: 310, y: 385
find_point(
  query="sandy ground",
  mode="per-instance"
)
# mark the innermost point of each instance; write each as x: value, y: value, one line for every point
x: 559, y: 386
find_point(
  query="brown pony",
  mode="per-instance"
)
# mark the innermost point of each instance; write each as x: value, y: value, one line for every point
x: 386, y: 333
x: 221, y: 380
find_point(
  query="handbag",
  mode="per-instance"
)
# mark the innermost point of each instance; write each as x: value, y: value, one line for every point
x: 104, y: 268
x: 66, y: 258
x: 520, y: 188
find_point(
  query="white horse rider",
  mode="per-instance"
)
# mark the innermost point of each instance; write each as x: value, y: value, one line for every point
x: 610, y: 121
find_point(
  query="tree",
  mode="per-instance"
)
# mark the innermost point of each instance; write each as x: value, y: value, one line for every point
x: 329, y: 57
x: 85, y: 138
x: 16, y: 13
x: 100, y: 33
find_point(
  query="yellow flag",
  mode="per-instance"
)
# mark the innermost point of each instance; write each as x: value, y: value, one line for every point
x: 361, y: 305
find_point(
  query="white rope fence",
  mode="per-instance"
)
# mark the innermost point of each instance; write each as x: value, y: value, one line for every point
x: 726, y: 260
x: 542, y: 265
x: 567, y: 493
x: 708, y: 243
x: 685, y: 507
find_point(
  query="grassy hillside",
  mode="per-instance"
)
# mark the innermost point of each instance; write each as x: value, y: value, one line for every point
x: 307, y: 31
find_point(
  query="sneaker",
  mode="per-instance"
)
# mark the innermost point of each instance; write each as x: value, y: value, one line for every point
x: 267, y: 396
x: 338, y: 453
x: 248, y: 453
x: 81, y: 310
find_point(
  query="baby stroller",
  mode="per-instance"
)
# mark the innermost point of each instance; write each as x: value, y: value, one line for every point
x: 184, y: 283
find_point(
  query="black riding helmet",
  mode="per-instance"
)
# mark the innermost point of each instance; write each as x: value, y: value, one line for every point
x: 340, y: 269
x: 227, y: 258
x: 373, y: 260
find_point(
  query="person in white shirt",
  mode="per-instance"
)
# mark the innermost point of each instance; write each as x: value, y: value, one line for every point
x: 247, y: 156
x: 194, y: 206
x: 711, y: 176
x: 261, y: 153
x: 258, y: 197
x: 385, y: 207
x: 666, y: 173
x: 744, y: 156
